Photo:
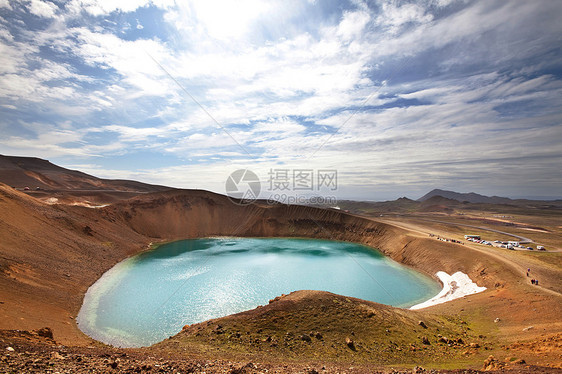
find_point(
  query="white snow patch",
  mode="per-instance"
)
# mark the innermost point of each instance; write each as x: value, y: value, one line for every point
x: 454, y: 287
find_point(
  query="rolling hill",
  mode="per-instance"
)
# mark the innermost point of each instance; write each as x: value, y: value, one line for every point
x: 32, y: 172
x: 471, y: 197
x: 54, y: 184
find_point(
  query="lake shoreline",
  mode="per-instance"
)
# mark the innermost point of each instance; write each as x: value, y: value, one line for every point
x: 209, y: 278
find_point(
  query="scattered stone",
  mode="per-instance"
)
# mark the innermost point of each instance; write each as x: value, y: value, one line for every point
x: 306, y: 338
x: 88, y: 230
x: 10, y: 349
x: 474, y: 345
x: 218, y: 330
x: 520, y: 362
x: 114, y: 364
x: 277, y: 298
x: 497, y: 320
x: 443, y: 340
x: 319, y: 336
x: 422, y: 324
x: 417, y: 370
x: 528, y: 328
x: 425, y: 340
x: 57, y: 356
x: 491, y: 363
x: 45, y: 332
x: 350, y: 343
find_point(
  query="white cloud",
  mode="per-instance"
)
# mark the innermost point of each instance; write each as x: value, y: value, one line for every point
x: 133, y: 134
x: 352, y: 24
x: 6, y: 35
x: 279, y: 126
x: 444, y: 3
x: 134, y: 61
x: 227, y: 19
x: 14, y: 55
x: 103, y: 7
x: 5, y: 4
x: 24, y: 83
x: 394, y: 17
x: 42, y: 8
x: 50, y: 141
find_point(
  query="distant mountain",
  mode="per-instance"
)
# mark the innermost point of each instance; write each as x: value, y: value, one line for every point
x: 32, y: 172
x: 462, y: 197
x: 402, y: 204
x: 435, y: 202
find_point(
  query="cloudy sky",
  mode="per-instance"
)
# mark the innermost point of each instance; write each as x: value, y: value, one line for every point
x: 399, y: 97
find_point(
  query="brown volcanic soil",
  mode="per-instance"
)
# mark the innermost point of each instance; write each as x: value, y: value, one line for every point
x: 51, y: 254
x: 320, y: 326
x: 35, y: 353
x: 54, y: 184
x: 34, y: 172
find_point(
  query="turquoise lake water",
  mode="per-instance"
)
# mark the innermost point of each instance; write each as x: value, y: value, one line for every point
x: 151, y: 296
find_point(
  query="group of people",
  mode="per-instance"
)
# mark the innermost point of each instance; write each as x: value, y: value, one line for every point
x: 445, y: 239
x: 533, y: 281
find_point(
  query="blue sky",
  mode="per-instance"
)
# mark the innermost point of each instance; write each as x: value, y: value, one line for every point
x: 399, y: 97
